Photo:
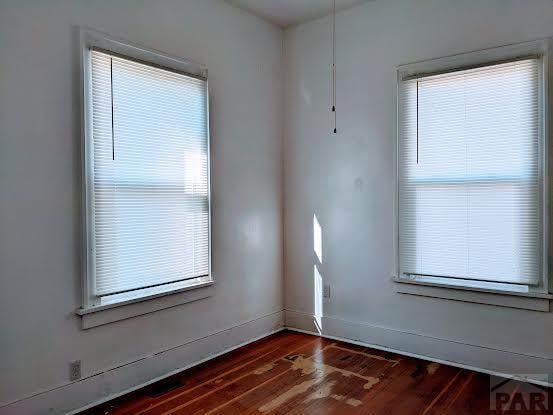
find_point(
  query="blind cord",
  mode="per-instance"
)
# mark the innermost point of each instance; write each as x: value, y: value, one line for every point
x: 417, y: 121
x: 111, y: 97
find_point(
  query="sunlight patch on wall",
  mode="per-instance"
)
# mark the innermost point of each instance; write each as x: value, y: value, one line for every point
x: 318, y: 297
x: 317, y: 239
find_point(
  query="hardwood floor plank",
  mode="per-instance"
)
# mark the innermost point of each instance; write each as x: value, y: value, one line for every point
x: 449, y: 397
x: 250, y: 402
x: 211, y: 385
x: 290, y: 394
x: 254, y: 380
x: 413, y: 389
x: 222, y: 365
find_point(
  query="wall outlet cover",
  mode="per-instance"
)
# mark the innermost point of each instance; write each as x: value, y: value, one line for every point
x: 75, y: 370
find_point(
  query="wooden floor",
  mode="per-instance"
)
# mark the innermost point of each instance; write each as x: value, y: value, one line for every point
x: 292, y: 373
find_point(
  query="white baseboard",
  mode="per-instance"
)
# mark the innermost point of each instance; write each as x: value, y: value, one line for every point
x: 478, y: 358
x: 94, y: 390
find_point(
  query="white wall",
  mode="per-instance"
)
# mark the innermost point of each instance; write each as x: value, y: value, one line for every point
x: 40, y: 189
x: 347, y: 180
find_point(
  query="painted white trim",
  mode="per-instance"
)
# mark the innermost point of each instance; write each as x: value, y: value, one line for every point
x: 76, y: 396
x: 525, y: 301
x: 418, y: 356
x: 478, y: 358
x: 516, y: 290
x: 478, y: 57
x: 174, y: 372
x: 118, y: 381
x: 94, y: 38
x: 96, y: 309
x: 540, y: 48
x: 100, y: 315
x: 89, y: 40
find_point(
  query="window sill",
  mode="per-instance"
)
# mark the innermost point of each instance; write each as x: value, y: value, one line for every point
x: 536, y: 301
x: 109, y: 313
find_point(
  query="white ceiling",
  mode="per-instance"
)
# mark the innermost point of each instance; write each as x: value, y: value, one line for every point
x: 289, y: 12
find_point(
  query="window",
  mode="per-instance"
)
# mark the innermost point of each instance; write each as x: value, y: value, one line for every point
x: 147, y: 177
x: 471, y: 175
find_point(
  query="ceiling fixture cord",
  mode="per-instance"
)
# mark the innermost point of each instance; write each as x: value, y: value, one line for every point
x: 334, y: 63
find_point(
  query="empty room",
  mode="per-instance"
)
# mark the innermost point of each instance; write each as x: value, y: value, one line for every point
x: 276, y: 207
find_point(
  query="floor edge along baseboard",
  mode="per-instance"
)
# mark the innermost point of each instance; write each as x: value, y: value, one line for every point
x: 464, y: 356
x: 115, y: 382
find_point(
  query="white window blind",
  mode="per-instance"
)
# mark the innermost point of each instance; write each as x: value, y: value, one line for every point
x: 148, y: 180
x: 470, y: 174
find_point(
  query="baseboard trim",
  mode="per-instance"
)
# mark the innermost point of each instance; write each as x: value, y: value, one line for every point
x: 110, y: 384
x: 480, y: 359
x: 99, y: 388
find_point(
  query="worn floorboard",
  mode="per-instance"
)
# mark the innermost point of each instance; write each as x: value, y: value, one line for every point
x: 292, y: 373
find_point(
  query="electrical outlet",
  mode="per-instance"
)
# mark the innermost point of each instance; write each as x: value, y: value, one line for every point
x: 75, y: 370
x: 326, y: 291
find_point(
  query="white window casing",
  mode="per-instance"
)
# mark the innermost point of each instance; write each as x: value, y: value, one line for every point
x: 146, y: 173
x: 472, y: 170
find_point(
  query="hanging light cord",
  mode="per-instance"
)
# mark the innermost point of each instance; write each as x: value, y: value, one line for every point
x: 334, y: 62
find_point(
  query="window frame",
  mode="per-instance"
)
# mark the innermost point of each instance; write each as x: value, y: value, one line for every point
x: 94, y: 40
x: 540, y: 48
